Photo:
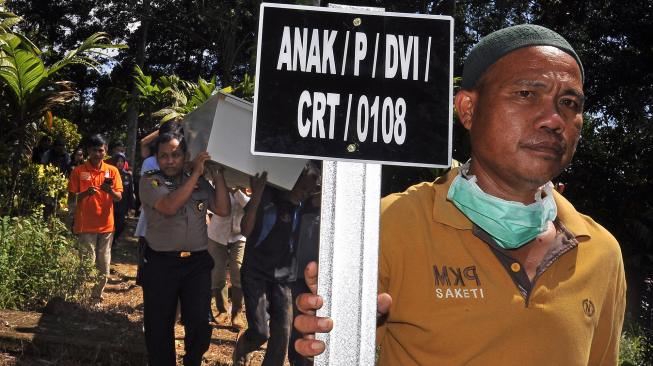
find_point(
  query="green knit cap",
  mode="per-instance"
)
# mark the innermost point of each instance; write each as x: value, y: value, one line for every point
x: 497, y: 44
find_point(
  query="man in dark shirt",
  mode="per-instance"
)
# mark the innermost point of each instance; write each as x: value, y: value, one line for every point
x: 58, y: 156
x: 271, y: 225
x: 122, y: 207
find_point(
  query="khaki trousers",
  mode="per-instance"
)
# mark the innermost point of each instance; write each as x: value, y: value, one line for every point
x: 97, y: 247
x: 231, y: 254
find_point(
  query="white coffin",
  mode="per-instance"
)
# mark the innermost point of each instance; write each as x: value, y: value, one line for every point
x: 223, y: 127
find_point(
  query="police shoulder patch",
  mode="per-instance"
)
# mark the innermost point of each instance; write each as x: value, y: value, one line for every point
x: 151, y: 172
x: 154, y: 182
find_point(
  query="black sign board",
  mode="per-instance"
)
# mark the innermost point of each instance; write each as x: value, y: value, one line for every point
x: 353, y: 85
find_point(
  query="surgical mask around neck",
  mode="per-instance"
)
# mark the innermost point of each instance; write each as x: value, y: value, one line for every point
x: 511, y: 224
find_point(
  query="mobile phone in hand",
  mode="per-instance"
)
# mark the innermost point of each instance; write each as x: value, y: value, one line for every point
x: 108, y: 181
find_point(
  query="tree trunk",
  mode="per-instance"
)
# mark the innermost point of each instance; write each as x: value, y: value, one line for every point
x: 132, y: 110
x: 21, y: 157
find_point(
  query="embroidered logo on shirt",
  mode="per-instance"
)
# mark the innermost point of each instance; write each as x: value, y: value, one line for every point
x: 456, y: 282
x: 588, y: 307
x: 85, y: 176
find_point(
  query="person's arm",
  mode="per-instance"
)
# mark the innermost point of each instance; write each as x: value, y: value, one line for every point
x: 131, y: 194
x: 172, y: 202
x: 74, y: 195
x: 257, y: 183
x: 78, y: 196
x: 114, y: 189
x: 605, y: 343
x: 222, y: 201
x: 241, y: 198
x: 145, y: 144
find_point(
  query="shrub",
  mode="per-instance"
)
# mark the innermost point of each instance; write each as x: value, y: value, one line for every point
x: 37, y: 185
x: 38, y: 261
x: 66, y: 130
x: 634, y: 346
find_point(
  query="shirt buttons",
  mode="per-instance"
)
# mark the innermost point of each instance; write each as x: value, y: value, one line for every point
x: 515, y: 267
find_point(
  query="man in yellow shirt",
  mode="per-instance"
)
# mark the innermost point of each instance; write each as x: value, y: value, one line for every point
x: 488, y: 265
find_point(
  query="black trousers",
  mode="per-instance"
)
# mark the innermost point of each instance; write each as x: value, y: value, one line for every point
x: 167, y: 279
x: 119, y: 221
x: 269, y: 316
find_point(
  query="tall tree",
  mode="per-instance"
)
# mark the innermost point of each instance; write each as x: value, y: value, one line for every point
x: 132, y: 111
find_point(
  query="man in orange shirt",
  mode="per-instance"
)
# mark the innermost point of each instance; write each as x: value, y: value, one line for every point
x: 93, y: 187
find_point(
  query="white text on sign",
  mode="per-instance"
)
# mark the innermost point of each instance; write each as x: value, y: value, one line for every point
x: 379, y: 119
x: 312, y: 50
x: 384, y: 117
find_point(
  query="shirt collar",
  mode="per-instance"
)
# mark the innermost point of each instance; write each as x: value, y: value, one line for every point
x: 567, y: 214
x: 446, y: 213
x: 103, y: 166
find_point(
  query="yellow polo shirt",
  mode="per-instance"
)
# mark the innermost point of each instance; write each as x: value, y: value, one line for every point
x: 458, y: 299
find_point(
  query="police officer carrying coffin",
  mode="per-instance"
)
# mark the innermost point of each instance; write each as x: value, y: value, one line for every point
x: 177, y: 265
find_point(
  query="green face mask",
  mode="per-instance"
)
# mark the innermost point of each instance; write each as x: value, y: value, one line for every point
x: 511, y: 224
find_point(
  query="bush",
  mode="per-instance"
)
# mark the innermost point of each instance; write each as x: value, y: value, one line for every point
x: 37, y: 186
x: 38, y: 261
x: 634, y: 346
x: 66, y: 130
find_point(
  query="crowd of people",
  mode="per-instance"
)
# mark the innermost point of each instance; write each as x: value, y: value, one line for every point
x: 192, y: 244
x: 491, y: 246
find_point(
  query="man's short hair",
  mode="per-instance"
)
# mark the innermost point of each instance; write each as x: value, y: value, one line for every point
x: 171, y: 127
x: 313, y: 168
x: 499, y: 43
x: 96, y: 141
x: 167, y: 137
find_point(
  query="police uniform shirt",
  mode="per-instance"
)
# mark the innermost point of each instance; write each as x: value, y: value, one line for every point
x: 186, y: 229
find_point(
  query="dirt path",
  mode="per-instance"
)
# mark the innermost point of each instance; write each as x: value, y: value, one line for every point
x: 115, y: 325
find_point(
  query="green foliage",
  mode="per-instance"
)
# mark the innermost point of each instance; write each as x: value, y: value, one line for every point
x: 88, y: 53
x: 245, y: 89
x: 182, y: 96
x: 634, y: 345
x: 30, y: 83
x: 37, y: 186
x: 22, y: 70
x: 38, y: 261
x: 66, y: 130
x: 29, y: 87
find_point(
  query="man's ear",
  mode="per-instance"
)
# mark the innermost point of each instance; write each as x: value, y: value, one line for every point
x: 465, y: 101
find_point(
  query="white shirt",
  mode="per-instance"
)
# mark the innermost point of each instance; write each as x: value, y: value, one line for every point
x: 149, y: 163
x: 225, y: 230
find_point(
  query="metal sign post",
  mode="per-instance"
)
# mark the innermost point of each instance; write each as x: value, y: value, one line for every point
x: 351, y: 194
x: 349, y: 239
